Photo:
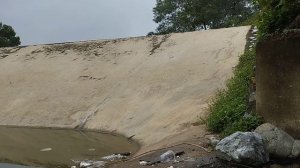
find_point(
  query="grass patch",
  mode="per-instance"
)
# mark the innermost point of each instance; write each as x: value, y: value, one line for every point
x: 228, y: 108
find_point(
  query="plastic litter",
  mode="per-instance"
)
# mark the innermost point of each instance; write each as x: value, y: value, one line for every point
x: 143, y: 163
x: 46, y: 149
x: 91, y: 164
x: 116, y: 156
x: 167, y: 156
x: 213, y: 141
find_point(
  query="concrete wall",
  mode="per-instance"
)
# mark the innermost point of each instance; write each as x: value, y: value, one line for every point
x: 278, y: 82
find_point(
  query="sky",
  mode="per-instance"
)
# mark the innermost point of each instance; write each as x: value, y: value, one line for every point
x: 52, y: 21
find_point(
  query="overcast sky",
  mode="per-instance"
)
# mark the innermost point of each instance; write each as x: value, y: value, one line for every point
x: 49, y: 21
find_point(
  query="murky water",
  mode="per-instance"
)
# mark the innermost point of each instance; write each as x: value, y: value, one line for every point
x: 8, y: 165
x: 57, y: 148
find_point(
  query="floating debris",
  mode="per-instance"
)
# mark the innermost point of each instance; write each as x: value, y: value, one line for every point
x: 46, y: 150
x: 116, y: 156
x: 91, y: 164
x: 85, y: 164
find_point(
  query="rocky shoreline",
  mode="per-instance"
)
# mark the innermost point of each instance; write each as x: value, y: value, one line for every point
x: 266, y: 147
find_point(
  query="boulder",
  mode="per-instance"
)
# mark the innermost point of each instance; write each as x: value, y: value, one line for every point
x: 279, y: 143
x: 296, y: 149
x: 244, y: 147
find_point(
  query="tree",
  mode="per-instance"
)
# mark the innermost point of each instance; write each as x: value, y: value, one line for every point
x: 8, y: 36
x: 191, y: 15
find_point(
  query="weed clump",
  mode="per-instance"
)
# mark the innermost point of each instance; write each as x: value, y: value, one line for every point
x: 230, y: 105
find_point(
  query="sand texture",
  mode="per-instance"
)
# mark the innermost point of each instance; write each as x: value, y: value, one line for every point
x: 150, y: 87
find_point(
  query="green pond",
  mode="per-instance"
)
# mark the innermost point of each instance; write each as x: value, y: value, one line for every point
x: 57, y: 148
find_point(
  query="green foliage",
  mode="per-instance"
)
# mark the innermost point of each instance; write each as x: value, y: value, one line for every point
x: 276, y: 15
x: 230, y: 105
x: 8, y: 36
x: 191, y: 15
x: 243, y: 124
x: 252, y: 20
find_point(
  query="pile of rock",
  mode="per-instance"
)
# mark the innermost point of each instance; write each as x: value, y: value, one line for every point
x: 253, y: 38
x: 254, y: 148
x: 278, y: 143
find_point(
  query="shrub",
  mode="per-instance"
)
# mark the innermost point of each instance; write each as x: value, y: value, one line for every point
x: 276, y: 15
x: 230, y: 105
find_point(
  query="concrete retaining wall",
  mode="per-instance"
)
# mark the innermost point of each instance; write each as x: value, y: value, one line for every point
x: 278, y: 82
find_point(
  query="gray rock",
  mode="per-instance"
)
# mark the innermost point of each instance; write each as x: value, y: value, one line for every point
x: 296, y: 149
x: 244, y: 147
x: 279, y: 143
x: 247, y: 115
x: 252, y: 97
x: 213, y: 141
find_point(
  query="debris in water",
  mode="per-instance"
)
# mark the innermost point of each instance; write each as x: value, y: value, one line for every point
x: 46, y: 150
x: 85, y: 164
x: 91, y: 164
x: 116, y: 156
x: 92, y: 149
x: 75, y: 161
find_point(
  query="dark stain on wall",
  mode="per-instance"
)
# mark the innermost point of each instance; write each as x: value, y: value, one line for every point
x: 278, y: 81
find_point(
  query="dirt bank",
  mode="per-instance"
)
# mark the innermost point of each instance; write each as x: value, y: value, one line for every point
x: 150, y: 88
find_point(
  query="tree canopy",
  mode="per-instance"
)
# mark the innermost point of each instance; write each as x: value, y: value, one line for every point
x: 8, y: 36
x: 191, y: 15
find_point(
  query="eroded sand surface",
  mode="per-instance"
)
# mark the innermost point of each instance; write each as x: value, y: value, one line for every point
x: 149, y: 87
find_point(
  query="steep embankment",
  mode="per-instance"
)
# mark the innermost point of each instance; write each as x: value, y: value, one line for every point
x: 150, y: 87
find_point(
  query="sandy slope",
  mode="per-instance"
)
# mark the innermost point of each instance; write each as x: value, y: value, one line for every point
x: 150, y: 87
